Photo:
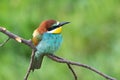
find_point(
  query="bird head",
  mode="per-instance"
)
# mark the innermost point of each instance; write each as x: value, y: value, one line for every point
x: 47, y: 26
x: 51, y: 26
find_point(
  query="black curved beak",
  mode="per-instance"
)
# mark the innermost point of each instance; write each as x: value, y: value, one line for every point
x: 63, y: 23
x: 56, y: 26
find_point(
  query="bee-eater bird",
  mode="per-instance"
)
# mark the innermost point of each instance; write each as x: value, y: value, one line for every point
x: 47, y: 39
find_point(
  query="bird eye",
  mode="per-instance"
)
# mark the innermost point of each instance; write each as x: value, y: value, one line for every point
x: 53, y: 26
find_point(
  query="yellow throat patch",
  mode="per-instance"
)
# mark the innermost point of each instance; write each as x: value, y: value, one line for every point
x: 56, y: 31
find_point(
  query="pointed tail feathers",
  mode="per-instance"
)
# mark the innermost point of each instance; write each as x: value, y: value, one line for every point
x: 37, y: 62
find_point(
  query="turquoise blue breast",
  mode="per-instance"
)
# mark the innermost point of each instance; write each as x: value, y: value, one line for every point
x: 49, y: 43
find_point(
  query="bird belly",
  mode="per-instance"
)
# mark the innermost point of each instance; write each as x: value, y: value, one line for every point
x: 49, y: 43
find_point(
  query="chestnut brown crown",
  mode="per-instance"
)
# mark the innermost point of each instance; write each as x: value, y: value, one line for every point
x: 45, y: 25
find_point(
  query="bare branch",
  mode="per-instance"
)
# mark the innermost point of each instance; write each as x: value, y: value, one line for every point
x: 53, y: 57
x: 30, y: 65
x: 1, y: 45
x: 61, y: 60
x: 20, y: 40
x: 16, y: 37
x: 74, y: 74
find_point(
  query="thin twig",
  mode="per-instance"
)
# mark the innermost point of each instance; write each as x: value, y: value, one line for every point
x: 61, y: 60
x: 1, y: 45
x: 21, y: 40
x: 30, y: 65
x: 73, y: 72
x: 16, y: 37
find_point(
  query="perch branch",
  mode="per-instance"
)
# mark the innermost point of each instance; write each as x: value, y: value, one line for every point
x: 20, y: 40
x: 61, y: 60
x: 16, y: 37
x: 69, y: 66
x: 53, y: 57
x: 30, y: 65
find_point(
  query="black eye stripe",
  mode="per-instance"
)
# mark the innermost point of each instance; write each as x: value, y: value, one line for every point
x: 57, y: 25
x: 53, y: 27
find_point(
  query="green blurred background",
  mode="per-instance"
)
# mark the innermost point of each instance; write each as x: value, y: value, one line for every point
x: 92, y: 37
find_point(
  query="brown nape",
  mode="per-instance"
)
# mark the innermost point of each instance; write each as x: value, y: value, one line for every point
x: 45, y: 25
